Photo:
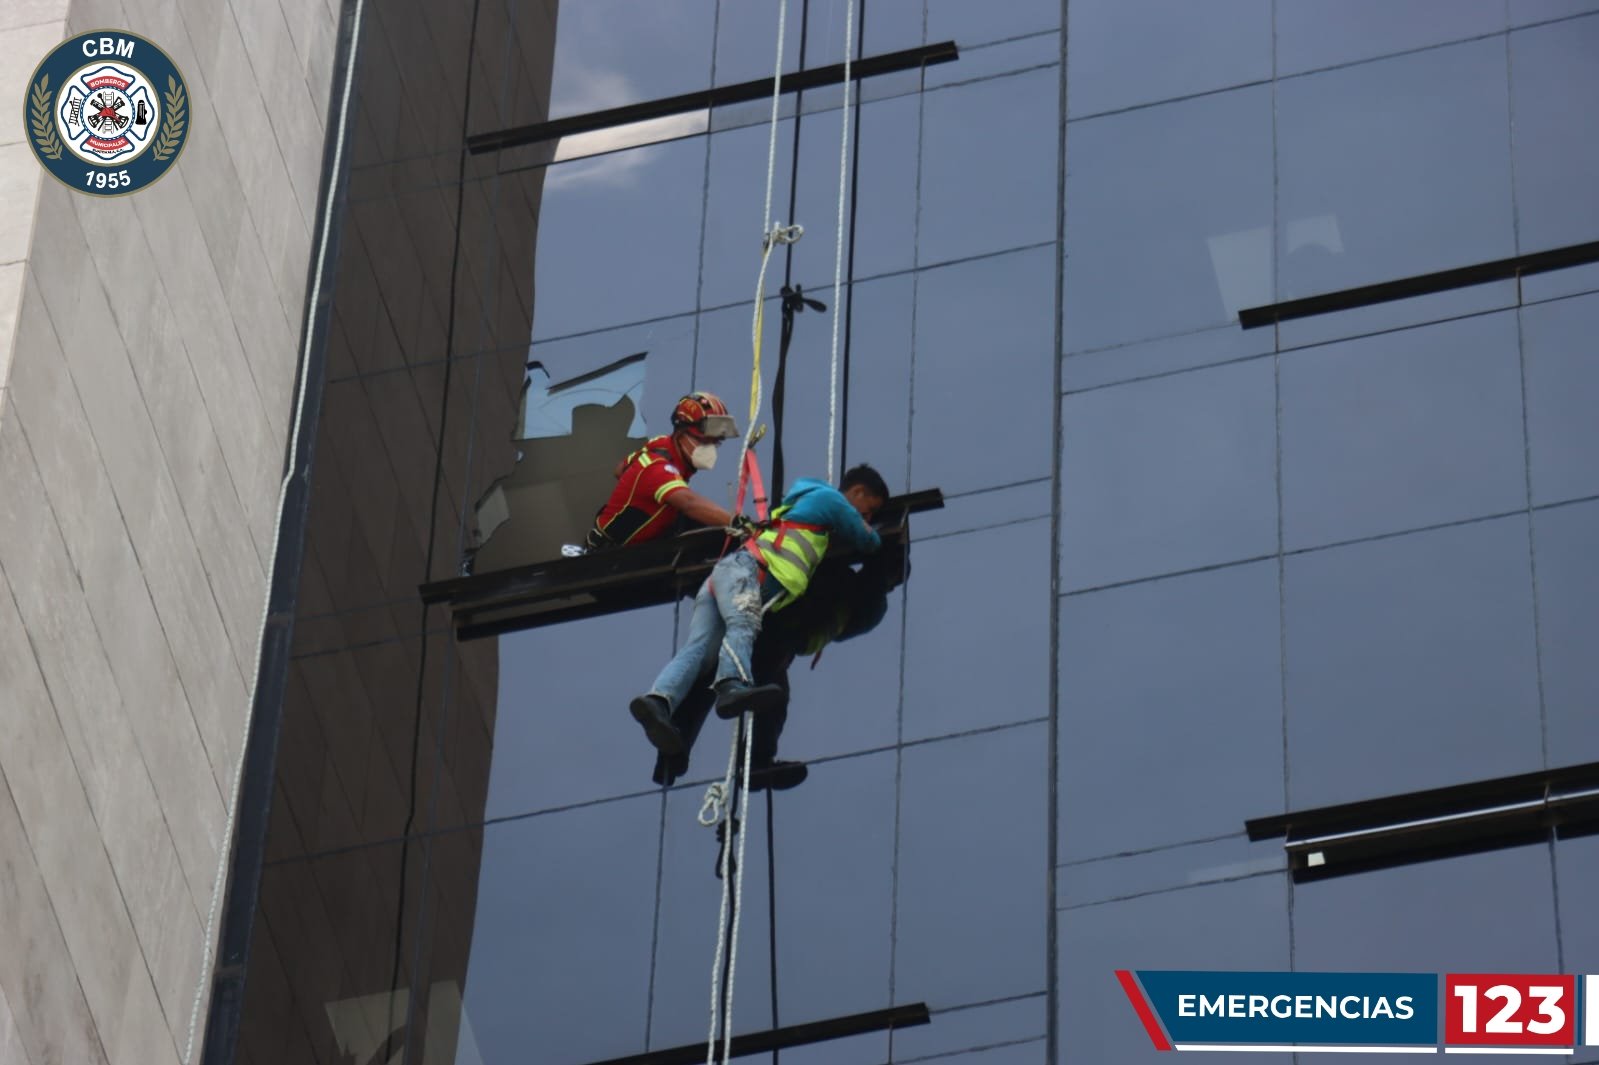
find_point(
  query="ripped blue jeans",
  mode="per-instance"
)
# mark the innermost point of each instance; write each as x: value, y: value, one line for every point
x: 725, y: 622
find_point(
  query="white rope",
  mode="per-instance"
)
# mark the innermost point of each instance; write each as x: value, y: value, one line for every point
x: 224, y: 845
x: 721, y: 914
x: 838, y: 254
x: 747, y: 725
x: 711, y: 808
x: 773, y: 233
x: 778, y: 234
x: 777, y: 96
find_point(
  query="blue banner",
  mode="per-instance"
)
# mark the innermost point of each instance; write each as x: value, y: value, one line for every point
x: 1328, y: 1009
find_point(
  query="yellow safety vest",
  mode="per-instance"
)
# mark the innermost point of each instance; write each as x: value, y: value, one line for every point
x: 790, y: 551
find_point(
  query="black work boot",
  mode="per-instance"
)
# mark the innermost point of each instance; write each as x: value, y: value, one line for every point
x: 655, y: 716
x: 778, y: 775
x: 733, y: 698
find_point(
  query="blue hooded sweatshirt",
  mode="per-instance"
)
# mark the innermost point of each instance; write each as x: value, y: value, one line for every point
x: 816, y: 502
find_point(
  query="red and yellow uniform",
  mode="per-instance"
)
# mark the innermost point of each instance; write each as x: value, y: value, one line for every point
x: 638, y: 510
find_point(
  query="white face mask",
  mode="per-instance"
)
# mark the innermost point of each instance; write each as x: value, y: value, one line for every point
x: 703, y: 456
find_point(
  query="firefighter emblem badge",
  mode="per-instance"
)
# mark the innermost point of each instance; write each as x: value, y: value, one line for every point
x: 107, y: 112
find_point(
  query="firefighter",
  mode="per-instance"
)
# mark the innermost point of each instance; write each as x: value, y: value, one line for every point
x: 768, y: 572
x: 652, y: 489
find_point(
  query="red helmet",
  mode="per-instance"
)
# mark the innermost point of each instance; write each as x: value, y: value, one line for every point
x: 706, y: 415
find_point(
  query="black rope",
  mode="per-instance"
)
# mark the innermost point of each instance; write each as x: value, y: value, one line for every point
x: 771, y: 907
x: 794, y: 301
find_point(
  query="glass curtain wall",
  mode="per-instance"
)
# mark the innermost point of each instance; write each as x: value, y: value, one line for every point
x: 1187, y: 574
x: 469, y: 860
x: 1336, y: 559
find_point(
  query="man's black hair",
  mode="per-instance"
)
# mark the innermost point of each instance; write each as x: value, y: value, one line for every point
x: 867, y: 478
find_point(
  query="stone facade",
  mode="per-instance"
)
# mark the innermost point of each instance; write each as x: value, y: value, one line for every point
x: 148, y: 348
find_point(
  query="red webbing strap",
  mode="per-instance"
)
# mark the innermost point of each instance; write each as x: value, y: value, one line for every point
x: 750, y: 476
x: 752, y: 471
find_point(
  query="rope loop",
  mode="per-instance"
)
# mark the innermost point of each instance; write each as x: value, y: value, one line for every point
x: 781, y: 234
x: 713, y: 809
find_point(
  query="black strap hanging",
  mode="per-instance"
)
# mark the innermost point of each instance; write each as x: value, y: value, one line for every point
x: 794, y: 301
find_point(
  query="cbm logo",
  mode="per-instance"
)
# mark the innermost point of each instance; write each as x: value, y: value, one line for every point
x: 107, y: 112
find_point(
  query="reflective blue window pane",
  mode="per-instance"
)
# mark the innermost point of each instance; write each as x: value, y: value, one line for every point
x: 1562, y: 396
x: 746, y: 41
x: 1557, y: 283
x: 562, y: 933
x: 985, y: 508
x: 825, y: 31
x: 850, y: 701
x: 562, y: 732
x: 1555, y: 88
x: 1523, y: 12
x: 1208, y: 861
x: 878, y: 412
x: 1429, y: 917
x: 885, y: 224
x: 832, y: 930
x: 1568, y: 617
x: 962, y: 676
x: 594, y: 266
x: 1398, y: 314
x: 1393, y: 168
x: 884, y: 234
x: 969, y: 24
x: 1001, y: 57
x: 955, y: 1028
x: 869, y: 1049
x: 1010, y: 1052
x: 1168, y: 474
x: 1410, y: 663
x: 734, y: 200
x: 1122, y: 54
x: 943, y: 955
x: 1189, y: 351
x: 1324, y: 33
x: 1576, y: 866
x: 983, y: 374
x: 611, y: 52
x: 1168, y: 680
x: 1402, y: 430
x: 1151, y: 254
x: 1241, y: 925
x: 988, y: 144
x: 893, y: 25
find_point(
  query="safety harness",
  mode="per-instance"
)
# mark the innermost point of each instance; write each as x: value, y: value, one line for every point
x: 789, y: 551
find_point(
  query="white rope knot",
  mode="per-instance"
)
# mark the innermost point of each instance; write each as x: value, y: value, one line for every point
x: 713, y: 809
x: 781, y: 234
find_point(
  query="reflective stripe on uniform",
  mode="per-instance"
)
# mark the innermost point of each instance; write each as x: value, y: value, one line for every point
x: 668, y: 488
